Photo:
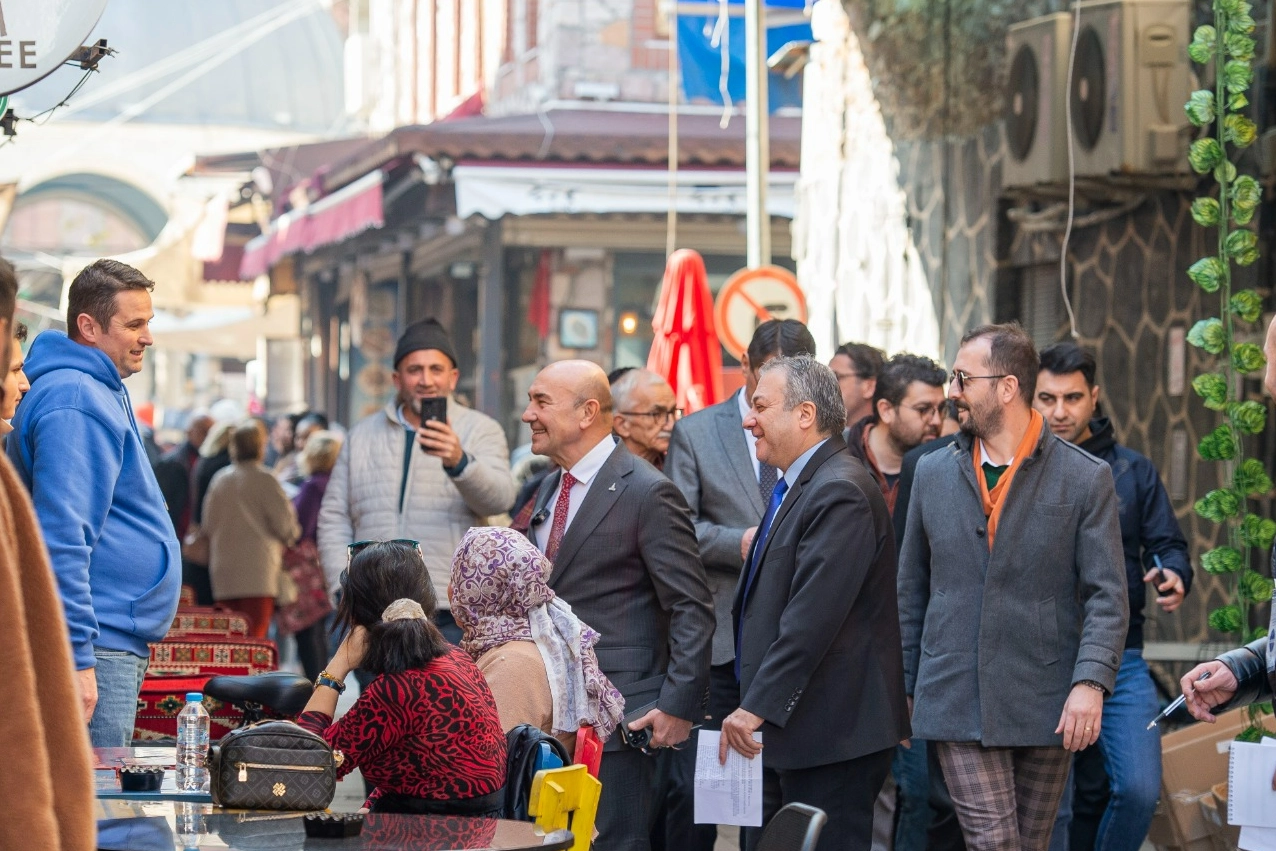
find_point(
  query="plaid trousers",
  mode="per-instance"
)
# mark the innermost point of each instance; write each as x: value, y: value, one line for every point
x: 1006, y: 798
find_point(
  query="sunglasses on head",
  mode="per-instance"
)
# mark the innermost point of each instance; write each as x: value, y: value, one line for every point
x: 357, y: 547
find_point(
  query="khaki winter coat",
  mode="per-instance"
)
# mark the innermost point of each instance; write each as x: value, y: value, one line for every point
x: 249, y: 521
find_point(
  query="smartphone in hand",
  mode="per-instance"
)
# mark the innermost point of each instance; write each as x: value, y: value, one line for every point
x: 434, y: 408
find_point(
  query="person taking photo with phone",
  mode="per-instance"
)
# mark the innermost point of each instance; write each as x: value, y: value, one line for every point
x: 402, y: 475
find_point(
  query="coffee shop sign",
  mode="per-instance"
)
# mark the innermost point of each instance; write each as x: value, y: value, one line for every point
x: 37, y: 36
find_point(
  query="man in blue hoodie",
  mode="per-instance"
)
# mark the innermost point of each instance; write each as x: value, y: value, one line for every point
x: 1155, y: 553
x: 77, y: 448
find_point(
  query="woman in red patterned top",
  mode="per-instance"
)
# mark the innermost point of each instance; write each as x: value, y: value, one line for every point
x: 425, y: 731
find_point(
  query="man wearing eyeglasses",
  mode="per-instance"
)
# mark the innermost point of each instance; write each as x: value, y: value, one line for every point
x: 907, y: 412
x: 856, y: 366
x: 644, y: 414
x: 1012, y: 598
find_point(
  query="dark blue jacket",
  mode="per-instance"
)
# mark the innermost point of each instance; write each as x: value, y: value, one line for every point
x: 1148, y: 524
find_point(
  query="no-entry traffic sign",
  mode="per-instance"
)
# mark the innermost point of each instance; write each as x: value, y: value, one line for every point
x: 751, y: 297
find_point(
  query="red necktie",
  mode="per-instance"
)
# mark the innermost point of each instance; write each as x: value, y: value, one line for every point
x: 560, y: 516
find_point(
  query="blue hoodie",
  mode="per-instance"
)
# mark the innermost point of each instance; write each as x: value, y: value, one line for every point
x: 77, y: 448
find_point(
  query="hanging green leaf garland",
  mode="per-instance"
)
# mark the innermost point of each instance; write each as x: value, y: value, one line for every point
x: 1229, y: 46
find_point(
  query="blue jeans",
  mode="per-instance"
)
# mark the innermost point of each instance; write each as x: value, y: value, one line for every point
x: 912, y: 812
x: 119, y: 682
x: 1132, y: 759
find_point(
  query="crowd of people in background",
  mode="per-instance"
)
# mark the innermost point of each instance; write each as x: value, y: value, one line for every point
x: 830, y: 567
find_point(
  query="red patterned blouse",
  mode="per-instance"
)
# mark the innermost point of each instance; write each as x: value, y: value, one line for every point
x: 430, y: 732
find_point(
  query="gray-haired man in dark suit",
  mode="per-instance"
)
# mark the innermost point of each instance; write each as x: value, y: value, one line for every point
x: 816, y: 624
x: 624, y: 553
x: 712, y: 462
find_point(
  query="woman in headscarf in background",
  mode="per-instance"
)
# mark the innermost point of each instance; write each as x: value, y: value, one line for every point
x: 536, y: 655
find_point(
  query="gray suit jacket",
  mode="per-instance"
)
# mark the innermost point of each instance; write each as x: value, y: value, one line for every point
x: 819, y: 634
x: 993, y: 642
x: 629, y: 567
x: 709, y: 462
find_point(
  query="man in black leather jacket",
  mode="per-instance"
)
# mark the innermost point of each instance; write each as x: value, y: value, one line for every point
x: 1247, y: 674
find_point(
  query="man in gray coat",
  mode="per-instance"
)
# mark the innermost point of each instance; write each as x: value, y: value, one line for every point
x: 624, y: 553
x: 1012, y: 598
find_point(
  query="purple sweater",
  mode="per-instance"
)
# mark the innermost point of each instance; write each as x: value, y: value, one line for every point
x: 307, y: 502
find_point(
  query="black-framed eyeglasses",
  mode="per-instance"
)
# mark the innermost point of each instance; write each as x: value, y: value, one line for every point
x: 357, y: 547
x: 961, y: 378
x: 658, y: 415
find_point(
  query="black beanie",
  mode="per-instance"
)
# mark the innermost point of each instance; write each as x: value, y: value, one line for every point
x: 426, y: 334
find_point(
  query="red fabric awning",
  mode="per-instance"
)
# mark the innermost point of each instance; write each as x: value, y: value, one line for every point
x: 343, y: 214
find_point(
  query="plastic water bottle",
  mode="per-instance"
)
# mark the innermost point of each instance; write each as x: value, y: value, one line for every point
x: 191, y: 826
x: 192, y: 743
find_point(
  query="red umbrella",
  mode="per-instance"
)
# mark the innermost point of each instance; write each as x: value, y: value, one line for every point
x: 686, y: 350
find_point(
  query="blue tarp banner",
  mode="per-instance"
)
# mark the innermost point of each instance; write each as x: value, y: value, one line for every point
x: 702, y: 41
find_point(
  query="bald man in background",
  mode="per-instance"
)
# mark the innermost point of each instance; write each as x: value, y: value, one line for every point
x: 620, y: 537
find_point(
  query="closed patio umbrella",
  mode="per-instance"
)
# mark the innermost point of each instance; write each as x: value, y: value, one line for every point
x: 685, y: 349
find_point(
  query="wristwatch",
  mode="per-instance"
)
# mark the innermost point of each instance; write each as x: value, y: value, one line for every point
x: 327, y: 679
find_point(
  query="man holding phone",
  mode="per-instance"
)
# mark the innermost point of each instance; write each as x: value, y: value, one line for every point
x: 452, y: 467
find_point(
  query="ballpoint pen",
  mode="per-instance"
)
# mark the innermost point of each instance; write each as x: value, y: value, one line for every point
x: 1179, y: 701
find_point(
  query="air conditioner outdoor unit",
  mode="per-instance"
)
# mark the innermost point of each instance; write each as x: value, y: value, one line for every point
x: 1130, y: 83
x: 1036, y: 130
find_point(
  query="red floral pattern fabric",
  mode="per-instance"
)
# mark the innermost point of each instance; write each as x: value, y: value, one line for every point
x: 431, y: 732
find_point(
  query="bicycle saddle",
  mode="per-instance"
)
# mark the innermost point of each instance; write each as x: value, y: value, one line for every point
x: 281, y: 691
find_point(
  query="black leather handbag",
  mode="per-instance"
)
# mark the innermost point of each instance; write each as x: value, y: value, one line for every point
x: 274, y: 765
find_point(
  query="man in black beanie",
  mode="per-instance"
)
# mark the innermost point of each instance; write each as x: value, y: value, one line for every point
x: 383, y: 488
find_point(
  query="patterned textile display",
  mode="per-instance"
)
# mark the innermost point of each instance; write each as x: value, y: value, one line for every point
x: 163, y: 697
x: 200, y: 621
x: 235, y: 655
x: 187, y: 597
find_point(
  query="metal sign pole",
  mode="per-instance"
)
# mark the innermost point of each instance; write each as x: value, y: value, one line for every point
x: 757, y: 152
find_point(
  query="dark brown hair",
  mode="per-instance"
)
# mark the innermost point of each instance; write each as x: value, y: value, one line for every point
x: 8, y: 290
x: 379, y: 575
x: 1012, y: 353
x: 94, y: 290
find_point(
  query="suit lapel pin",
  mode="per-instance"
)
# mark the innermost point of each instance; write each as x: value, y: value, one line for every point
x: 612, y: 488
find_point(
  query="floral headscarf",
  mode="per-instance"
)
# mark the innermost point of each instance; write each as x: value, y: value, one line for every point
x: 499, y: 595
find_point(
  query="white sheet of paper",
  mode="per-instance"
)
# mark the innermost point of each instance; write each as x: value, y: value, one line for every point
x: 731, y: 793
x: 1251, y: 800
x: 1258, y: 838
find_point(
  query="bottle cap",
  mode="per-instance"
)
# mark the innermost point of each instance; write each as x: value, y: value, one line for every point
x: 194, y: 697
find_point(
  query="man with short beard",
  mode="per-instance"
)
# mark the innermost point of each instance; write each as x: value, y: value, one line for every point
x: 1011, y: 573
x: 907, y: 412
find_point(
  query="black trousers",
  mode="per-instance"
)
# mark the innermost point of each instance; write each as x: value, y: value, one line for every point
x: 845, y: 791
x: 627, y: 807
x: 676, y: 828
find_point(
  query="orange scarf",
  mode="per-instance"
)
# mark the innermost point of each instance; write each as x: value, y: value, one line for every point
x: 995, y: 499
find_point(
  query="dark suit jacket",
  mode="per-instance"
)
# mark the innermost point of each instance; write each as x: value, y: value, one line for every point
x: 629, y: 567
x: 709, y: 462
x: 820, y: 654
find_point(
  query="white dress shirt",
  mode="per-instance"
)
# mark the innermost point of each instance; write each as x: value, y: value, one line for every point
x: 745, y: 407
x: 585, y: 471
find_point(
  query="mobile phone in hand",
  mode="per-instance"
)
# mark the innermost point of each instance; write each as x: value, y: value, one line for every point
x: 434, y: 408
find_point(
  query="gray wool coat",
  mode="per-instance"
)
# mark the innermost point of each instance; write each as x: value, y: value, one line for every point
x: 993, y: 642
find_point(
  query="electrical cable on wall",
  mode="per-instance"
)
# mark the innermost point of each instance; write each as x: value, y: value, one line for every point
x: 1072, y: 171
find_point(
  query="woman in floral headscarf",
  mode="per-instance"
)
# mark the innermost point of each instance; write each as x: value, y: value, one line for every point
x: 537, y: 656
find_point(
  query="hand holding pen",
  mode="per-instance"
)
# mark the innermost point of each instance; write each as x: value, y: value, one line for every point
x: 1204, y: 687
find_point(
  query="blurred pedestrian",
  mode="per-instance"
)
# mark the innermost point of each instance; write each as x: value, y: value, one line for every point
x: 214, y: 456
x: 15, y: 380
x: 248, y: 521
x: 78, y: 449
x: 288, y: 468
x: 280, y: 443
x: 50, y: 784
x: 400, y: 477
x: 645, y: 411
x: 318, y: 457
x: 175, y: 473
x: 856, y: 366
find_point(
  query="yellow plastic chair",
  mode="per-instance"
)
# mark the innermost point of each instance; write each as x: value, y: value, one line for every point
x: 566, y: 799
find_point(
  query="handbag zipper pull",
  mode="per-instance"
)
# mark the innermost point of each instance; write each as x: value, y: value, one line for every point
x: 243, y: 771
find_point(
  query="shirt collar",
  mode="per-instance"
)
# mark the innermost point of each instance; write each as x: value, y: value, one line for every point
x: 795, y: 469
x: 742, y: 402
x: 586, y: 468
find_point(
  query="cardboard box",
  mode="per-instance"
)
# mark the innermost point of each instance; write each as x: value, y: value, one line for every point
x: 1214, y: 807
x: 1193, y: 761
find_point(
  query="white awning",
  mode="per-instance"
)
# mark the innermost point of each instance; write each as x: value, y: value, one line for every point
x: 496, y: 191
